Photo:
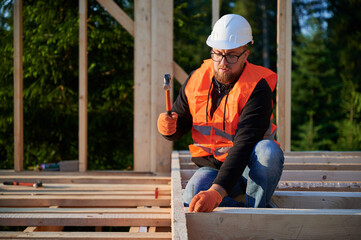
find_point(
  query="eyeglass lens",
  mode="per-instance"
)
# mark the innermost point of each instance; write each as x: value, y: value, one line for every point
x: 229, y: 58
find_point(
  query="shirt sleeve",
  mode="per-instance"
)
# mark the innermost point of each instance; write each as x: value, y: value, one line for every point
x: 253, y: 123
x: 181, y: 107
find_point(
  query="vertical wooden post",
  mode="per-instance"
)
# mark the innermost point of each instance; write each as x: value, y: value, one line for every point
x: 161, y: 63
x: 142, y: 85
x: 18, y: 87
x: 83, y: 85
x: 284, y: 38
x: 215, y: 11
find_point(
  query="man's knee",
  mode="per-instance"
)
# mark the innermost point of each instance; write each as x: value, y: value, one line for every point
x: 268, y: 153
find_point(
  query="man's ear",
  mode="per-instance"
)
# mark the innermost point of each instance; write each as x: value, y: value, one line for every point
x: 246, y: 54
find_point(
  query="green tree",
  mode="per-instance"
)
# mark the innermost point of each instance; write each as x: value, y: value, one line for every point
x: 314, y: 88
x: 50, y: 59
x: 344, y: 33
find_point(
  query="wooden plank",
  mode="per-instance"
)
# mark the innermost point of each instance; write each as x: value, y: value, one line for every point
x: 85, y: 235
x: 322, y: 157
x: 93, y: 173
x: 88, y: 219
x: 215, y: 11
x: 324, y: 153
x: 323, y: 166
x: 163, y: 188
x: 161, y: 63
x: 309, y: 175
x: 303, y: 157
x: 320, y: 175
x: 348, y: 186
x: 84, y: 201
x: 83, y: 85
x: 18, y: 87
x: 87, y: 179
x: 142, y: 85
x: 179, y: 74
x: 284, y: 45
x: 118, y: 14
x: 88, y: 210
x: 302, y: 166
x: 179, y: 228
x: 231, y: 223
x: 86, y: 193
x: 317, y: 200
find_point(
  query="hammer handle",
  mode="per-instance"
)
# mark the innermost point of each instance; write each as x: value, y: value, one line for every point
x: 169, y: 108
x: 19, y: 183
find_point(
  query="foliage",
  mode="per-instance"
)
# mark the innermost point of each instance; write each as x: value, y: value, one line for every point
x: 50, y: 70
x: 325, y: 78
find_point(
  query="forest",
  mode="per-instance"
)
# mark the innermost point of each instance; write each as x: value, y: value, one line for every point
x: 326, y: 82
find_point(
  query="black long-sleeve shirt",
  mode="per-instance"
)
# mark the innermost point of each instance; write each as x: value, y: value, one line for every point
x: 252, y: 125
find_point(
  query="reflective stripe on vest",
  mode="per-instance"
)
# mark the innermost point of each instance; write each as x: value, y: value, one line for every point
x: 208, y: 136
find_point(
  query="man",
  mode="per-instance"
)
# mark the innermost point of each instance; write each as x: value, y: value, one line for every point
x: 227, y: 103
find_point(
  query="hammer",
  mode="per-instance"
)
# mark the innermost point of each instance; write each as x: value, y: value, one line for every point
x: 35, y: 185
x: 166, y: 87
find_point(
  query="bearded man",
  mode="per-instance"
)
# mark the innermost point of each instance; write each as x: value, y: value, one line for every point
x: 227, y: 103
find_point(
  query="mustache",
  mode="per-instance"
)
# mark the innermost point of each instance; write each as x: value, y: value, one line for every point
x: 223, y: 66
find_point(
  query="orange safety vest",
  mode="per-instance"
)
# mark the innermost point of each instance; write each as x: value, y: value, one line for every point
x: 214, y: 136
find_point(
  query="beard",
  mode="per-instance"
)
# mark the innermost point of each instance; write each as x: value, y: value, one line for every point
x: 227, y: 77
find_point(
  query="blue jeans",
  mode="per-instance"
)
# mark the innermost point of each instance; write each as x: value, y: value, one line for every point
x: 258, y: 182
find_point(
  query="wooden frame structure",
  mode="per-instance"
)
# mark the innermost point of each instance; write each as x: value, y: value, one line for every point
x: 318, y: 198
x: 314, y: 214
x: 153, y: 57
x: 140, y: 202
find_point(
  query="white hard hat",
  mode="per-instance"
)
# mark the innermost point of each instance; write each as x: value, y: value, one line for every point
x: 230, y: 31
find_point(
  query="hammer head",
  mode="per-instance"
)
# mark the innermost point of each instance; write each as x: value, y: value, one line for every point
x: 166, y: 85
x: 38, y: 184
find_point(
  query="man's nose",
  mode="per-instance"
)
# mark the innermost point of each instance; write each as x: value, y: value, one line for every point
x: 224, y: 61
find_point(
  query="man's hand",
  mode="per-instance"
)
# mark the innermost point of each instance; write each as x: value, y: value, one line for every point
x: 167, y: 125
x: 205, y: 201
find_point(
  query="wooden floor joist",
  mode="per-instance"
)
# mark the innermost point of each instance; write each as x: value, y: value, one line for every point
x: 85, y: 219
x: 248, y: 223
x: 102, y: 200
x: 309, y: 215
x: 86, y: 235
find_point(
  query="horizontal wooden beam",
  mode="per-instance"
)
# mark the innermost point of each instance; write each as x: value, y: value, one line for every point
x: 87, y: 173
x: 349, y: 186
x: 303, y: 175
x: 85, y: 201
x: 88, y: 219
x: 317, y: 200
x: 85, y: 235
x: 88, y: 210
x: 320, y: 175
x: 303, y: 157
x: 231, y: 223
x: 301, y: 166
x: 64, y: 187
x: 87, y: 179
x: 87, y: 193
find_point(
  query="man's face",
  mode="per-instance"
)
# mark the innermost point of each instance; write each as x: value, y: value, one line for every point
x: 226, y: 72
